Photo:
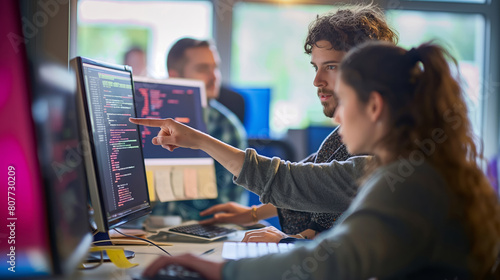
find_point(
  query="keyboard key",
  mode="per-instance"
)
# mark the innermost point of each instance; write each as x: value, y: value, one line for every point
x: 272, y: 247
x: 262, y: 249
x: 230, y: 250
x: 241, y: 250
x: 252, y: 250
x: 282, y: 247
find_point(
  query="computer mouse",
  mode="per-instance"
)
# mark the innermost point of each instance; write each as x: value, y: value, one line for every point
x: 174, y: 272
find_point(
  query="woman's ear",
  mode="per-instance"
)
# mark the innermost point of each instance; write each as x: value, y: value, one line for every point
x: 375, y: 106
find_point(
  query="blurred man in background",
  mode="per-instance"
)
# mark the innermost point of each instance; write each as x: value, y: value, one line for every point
x: 198, y: 59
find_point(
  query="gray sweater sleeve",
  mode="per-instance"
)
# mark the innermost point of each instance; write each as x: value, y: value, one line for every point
x: 326, y: 187
x: 387, y: 233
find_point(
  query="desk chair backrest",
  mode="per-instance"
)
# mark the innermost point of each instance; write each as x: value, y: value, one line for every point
x: 233, y: 101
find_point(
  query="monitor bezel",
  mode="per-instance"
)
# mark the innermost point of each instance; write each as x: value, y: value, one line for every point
x: 96, y: 192
x: 63, y: 264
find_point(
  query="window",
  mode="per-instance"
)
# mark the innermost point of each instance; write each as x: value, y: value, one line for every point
x: 107, y: 29
x: 462, y: 35
x: 268, y: 51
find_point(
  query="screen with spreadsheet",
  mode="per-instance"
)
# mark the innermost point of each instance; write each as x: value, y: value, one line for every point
x: 117, y: 158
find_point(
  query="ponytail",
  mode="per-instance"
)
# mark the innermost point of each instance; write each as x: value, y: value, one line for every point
x: 423, y: 98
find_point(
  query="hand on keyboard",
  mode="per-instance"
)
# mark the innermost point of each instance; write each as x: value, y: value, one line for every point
x: 267, y: 234
x: 230, y: 212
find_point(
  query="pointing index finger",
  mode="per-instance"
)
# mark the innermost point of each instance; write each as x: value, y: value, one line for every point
x: 147, y: 122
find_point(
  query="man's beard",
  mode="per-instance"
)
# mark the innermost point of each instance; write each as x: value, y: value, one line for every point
x: 329, y: 112
x: 327, y: 109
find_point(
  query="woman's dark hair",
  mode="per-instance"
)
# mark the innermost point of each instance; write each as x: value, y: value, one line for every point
x: 424, y: 100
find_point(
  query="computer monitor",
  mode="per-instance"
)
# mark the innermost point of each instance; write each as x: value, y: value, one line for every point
x: 183, y: 174
x: 59, y: 155
x: 114, y: 160
x: 44, y: 188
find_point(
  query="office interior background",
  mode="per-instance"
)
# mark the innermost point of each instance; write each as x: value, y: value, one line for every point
x: 261, y: 47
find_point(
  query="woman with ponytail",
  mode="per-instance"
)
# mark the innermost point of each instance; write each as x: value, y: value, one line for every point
x: 424, y: 209
x: 426, y: 115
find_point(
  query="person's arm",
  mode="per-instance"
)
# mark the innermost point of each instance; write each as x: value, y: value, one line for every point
x: 174, y: 134
x: 327, y: 187
x: 306, y: 234
x: 238, y: 214
x: 387, y: 233
x: 272, y: 234
x: 265, y: 211
x: 281, y: 183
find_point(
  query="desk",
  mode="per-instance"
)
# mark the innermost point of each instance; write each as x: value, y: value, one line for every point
x: 144, y: 255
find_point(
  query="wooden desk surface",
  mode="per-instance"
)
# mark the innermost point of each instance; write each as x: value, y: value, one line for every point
x: 144, y: 255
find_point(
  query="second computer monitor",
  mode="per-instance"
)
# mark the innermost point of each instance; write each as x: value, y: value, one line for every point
x: 183, y: 174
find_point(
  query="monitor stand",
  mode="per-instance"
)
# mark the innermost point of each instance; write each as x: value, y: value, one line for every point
x: 102, y: 239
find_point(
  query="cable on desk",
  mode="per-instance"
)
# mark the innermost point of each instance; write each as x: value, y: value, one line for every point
x: 145, y: 240
x: 96, y: 243
x: 105, y: 241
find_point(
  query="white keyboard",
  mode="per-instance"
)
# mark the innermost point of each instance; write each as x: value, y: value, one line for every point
x: 240, y: 250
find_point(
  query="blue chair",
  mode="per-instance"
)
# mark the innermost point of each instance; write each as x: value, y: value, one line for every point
x: 257, y: 110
